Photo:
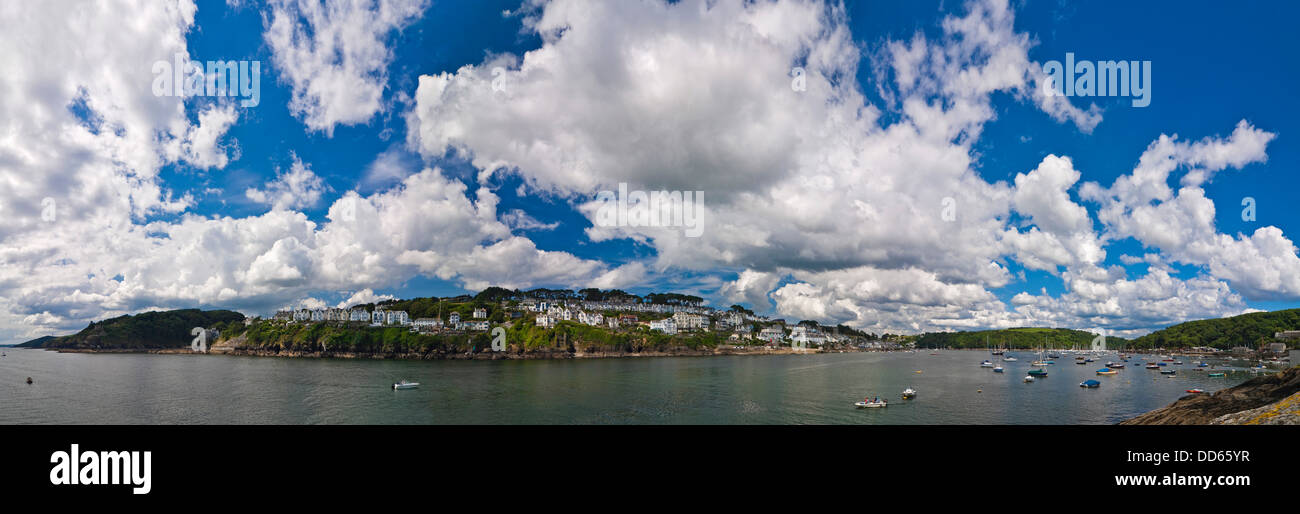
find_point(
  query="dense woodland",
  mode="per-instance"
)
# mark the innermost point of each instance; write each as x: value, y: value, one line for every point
x: 1248, y: 330
x: 1018, y: 338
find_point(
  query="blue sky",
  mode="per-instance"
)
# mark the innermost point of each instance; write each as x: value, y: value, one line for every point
x: 772, y: 242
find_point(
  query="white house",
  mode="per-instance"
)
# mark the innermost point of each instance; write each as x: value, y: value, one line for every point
x: 666, y: 325
x: 591, y: 318
x: 453, y: 319
x: 688, y: 321
x: 480, y: 326
x: 545, y: 321
x: 773, y: 334
x: 397, y: 318
x: 480, y: 313
x: 806, y: 336
x: 358, y: 315
x: 377, y: 317
x: 427, y: 324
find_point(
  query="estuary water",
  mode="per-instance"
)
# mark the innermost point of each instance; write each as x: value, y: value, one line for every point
x: 81, y: 388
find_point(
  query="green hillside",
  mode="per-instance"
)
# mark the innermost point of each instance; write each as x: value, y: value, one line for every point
x: 1245, y: 330
x: 1020, y: 338
x: 149, y: 330
x: 36, y: 343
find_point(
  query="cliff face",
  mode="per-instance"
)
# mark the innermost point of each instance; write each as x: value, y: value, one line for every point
x: 1270, y: 398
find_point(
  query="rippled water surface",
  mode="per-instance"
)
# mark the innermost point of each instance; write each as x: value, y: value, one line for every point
x: 818, y: 389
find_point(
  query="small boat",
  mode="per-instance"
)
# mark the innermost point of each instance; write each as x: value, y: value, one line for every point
x: 1152, y: 365
x: 1089, y: 359
x: 871, y: 404
x: 1029, y: 378
x: 1196, y: 390
x: 29, y: 380
x: 1162, y: 364
x: 909, y: 393
x: 1009, y: 359
x: 1038, y: 372
x: 986, y: 364
x: 1115, y: 365
x: 1107, y: 371
x: 1216, y: 375
x: 1202, y: 364
x: 1168, y: 371
x: 402, y: 384
x: 997, y: 369
x: 1178, y: 363
x: 1081, y: 363
x: 1090, y: 384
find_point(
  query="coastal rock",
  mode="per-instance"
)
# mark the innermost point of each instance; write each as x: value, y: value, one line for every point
x: 1284, y: 412
x: 1231, y: 405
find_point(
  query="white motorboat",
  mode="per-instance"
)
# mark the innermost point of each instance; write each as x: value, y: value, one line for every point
x: 405, y: 385
x: 872, y: 404
x: 986, y: 364
x: 1029, y: 378
x: 909, y: 393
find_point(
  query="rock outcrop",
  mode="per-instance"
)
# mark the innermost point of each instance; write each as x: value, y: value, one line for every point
x: 1268, y: 399
x: 1284, y: 412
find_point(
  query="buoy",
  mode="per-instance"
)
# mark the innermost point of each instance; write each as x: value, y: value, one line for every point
x: 29, y: 380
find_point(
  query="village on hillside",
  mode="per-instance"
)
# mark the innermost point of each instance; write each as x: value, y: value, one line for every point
x: 615, y: 311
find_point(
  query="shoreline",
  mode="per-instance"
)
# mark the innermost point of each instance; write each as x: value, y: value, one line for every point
x: 487, y: 355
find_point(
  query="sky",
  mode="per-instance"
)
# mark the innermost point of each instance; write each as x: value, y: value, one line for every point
x: 896, y: 166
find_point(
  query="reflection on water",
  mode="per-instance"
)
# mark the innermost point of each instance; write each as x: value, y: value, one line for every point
x: 820, y: 389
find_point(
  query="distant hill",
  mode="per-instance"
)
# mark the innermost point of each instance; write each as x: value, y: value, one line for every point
x: 149, y: 330
x: 1015, y: 338
x: 36, y: 343
x: 1223, y: 333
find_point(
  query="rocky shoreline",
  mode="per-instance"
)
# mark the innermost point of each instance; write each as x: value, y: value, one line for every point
x: 1271, y: 399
